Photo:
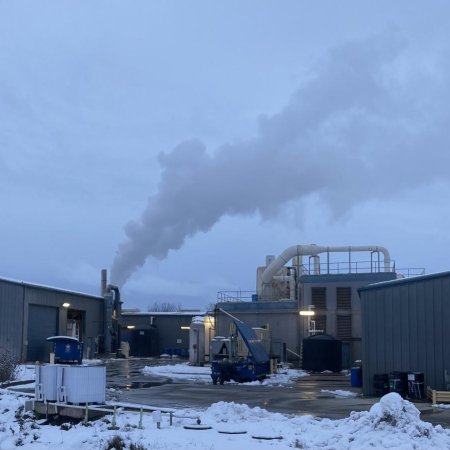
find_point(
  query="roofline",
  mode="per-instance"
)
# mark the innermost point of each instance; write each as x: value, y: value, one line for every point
x: 402, y: 281
x: 164, y: 313
x: 48, y: 288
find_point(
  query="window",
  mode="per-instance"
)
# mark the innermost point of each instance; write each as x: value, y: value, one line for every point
x: 319, y: 298
x: 344, y: 298
x: 344, y: 326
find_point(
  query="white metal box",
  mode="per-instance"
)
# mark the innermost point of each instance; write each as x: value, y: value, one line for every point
x: 48, y: 379
x: 82, y: 384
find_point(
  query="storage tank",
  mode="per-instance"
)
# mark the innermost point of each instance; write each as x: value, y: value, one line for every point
x: 197, y: 341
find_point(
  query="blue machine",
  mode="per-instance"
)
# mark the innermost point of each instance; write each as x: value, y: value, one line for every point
x: 67, y: 350
x: 255, y: 366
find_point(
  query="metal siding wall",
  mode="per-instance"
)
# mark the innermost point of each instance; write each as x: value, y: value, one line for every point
x: 427, y: 301
x: 169, y: 330
x: 404, y: 362
x: 417, y: 333
x: 446, y: 326
x: 91, y: 306
x: 413, y: 334
x: 11, y: 317
x: 140, y: 322
x: 283, y: 325
x: 386, y: 306
x: 379, y: 315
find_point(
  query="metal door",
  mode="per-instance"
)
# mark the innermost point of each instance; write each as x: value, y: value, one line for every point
x: 42, y: 323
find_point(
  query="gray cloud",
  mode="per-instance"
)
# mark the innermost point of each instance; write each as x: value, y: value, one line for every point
x: 370, y: 121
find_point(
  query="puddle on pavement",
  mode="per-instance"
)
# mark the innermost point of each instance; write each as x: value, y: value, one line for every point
x: 145, y: 384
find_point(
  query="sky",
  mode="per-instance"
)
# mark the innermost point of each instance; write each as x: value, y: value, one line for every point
x: 176, y: 144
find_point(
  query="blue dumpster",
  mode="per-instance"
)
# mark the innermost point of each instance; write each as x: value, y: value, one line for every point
x: 67, y: 350
x: 356, y: 376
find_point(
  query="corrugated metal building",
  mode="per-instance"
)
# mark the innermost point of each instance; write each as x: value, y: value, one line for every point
x: 29, y: 313
x: 405, y: 327
x: 154, y: 333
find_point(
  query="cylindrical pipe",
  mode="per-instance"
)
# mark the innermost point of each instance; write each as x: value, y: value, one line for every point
x: 315, y: 250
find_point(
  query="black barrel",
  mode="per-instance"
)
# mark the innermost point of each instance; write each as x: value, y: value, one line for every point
x: 381, y: 384
x: 416, y: 385
x: 398, y: 382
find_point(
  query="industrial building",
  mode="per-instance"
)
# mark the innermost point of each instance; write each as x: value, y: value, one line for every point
x: 156, y: 333
x: 29, y: 313
x: 406, y: 329
x: 307, y: 290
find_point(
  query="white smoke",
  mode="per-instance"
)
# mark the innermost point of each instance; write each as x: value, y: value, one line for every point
x: 371, y: 121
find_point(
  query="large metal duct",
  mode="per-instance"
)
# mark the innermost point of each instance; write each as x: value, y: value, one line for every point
x: 314, y: 250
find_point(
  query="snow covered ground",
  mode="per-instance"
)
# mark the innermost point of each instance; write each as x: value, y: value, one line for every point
x: 391, y: 423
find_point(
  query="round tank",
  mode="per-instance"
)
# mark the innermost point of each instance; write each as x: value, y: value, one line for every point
x: 197, y: 341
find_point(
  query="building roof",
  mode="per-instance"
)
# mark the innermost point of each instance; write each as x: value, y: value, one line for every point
x: 163, y: 313
x: 48, y: 288
x: 404, y: 281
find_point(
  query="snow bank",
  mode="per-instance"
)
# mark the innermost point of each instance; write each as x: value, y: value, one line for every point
x: 391, y: 423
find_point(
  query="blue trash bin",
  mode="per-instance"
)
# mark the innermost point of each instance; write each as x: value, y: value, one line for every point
x: 67, y: 350
x: 356, y: 376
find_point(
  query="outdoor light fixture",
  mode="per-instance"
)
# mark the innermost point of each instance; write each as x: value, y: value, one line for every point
x: 307, y: 313
x: 185, y: 328
x: 130, y: 327
x: 66, y: 305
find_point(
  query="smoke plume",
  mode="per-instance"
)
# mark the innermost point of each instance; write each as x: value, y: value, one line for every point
x: 371, y: 121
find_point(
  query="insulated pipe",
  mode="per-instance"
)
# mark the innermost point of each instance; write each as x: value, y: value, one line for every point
x: 314, y: 250
x: 291, y: 280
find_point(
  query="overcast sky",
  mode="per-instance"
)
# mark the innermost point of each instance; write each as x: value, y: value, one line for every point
x: 179, y: 143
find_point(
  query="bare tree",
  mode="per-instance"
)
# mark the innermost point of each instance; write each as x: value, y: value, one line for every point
x: 164, y: 307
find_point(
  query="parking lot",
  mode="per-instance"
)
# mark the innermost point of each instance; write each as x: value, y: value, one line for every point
x: 127, y: 383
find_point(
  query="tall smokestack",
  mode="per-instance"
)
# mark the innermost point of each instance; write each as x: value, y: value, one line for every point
x: 104, y: 282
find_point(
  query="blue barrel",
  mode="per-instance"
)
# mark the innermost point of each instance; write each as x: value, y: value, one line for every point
x: 356, y: 376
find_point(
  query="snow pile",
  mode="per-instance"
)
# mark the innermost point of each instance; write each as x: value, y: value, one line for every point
x: 185, y: 372
x: 180, y: 372
x: 392, y: 423
x: 340, y: 393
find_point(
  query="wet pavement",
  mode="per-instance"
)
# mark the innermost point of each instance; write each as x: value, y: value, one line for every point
x: 127, y: 383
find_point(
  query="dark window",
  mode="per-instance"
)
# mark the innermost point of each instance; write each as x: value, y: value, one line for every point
x: 344, y: 298
x: 344, y: 326
x: 319, y: 298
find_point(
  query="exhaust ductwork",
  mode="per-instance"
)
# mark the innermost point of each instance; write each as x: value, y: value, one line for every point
x: 314, y: 250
